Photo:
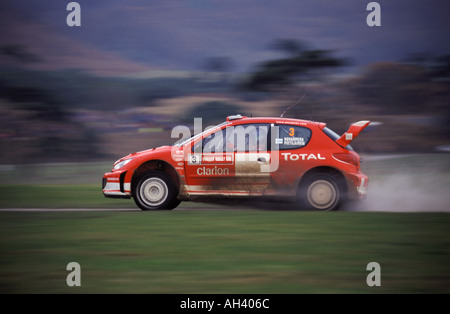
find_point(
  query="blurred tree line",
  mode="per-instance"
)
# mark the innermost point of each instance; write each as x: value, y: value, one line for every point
x: 298, y: 63
x: 410, y: 98
x: 44, y: 130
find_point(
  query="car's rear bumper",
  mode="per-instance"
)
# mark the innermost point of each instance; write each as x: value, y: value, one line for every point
x: 114, y: 186
x: 358, y: 184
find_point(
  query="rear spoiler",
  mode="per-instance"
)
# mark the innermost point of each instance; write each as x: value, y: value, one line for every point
x: 352, y: 132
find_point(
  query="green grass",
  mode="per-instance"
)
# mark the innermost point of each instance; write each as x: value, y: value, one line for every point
x: 224, y: 252
x: 58, y: 196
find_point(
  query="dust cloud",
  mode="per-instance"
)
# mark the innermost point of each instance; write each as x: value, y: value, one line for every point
x: 413, y: 185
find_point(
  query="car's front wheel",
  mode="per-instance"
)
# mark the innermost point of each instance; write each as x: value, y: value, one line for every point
x: 155, y: 190
x: 320, y: 192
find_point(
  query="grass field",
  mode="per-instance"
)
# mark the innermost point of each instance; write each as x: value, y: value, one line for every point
x: 253, y: 250
x: 224, y: 252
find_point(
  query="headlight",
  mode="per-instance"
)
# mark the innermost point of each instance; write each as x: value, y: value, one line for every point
x: 122, y: 163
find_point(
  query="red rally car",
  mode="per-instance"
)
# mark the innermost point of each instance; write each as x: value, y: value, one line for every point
x: 296, y: 160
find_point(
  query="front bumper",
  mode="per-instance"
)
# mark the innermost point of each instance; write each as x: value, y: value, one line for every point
x: 114, y: 186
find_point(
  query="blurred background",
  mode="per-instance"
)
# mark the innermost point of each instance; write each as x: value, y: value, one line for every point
x: 75, y: 99
x: 133, y: 70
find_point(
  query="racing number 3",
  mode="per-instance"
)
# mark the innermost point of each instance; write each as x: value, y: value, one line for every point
x: 291, y: 131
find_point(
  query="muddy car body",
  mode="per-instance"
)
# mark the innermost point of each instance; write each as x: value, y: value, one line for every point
x: 289, y: 159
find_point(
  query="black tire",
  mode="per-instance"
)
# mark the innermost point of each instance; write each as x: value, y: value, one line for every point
x: 155, y: 190
x: 320, y: 192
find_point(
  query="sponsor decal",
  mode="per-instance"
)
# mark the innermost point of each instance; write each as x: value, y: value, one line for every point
x: 217, y: 159
x: 291, y: 122
x: 294, y: 157
x: 211, y: 159
x: 216, y: 171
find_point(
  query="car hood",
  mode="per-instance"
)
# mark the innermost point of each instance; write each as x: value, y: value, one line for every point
x: 147, y: 152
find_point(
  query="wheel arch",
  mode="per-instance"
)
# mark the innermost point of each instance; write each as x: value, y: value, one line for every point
x: 155, y: 165
x: 338, y: 175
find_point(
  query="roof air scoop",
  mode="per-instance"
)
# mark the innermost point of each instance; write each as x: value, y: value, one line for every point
x: 235, y: 117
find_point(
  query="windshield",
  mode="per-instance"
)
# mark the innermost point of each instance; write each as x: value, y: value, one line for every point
x: 182, y: 141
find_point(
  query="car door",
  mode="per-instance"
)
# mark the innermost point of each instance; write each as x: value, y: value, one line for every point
x: 230, y: 161
x: 250, y: 143
x: 209, y: 168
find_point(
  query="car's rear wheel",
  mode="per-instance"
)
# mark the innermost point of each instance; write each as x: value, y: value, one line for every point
x: 155, y: 190
x: 320, y: 192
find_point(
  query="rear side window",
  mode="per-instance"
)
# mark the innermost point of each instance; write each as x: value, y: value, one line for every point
x: 331, y: 134
x: 292, y: 137
x: 237, y: 138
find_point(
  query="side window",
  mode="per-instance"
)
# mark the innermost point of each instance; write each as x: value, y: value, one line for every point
x: 239, y: 138
x: 292, y: 137
x: 247, y: 138
x: 213, y: 143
